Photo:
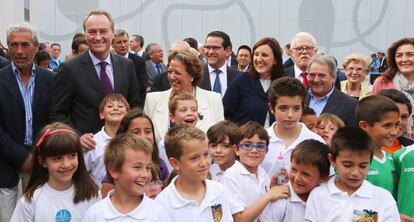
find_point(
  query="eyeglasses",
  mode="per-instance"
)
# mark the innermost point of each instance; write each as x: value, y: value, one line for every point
x: 219, y: 145
x: 250, y: 146
x: 304, y: 48
x: 212, y: 47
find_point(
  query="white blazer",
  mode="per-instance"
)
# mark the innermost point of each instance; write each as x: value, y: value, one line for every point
x: 209, y: 103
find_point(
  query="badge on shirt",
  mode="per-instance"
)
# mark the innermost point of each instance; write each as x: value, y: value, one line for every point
x: 371, y: 215
x: 217, y: 212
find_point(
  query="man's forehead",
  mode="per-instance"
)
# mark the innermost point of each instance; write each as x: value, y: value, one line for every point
x: 304, y: 41
x: 211, y: 40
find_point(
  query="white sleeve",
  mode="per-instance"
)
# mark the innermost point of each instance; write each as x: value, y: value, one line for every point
x: 24, y: 211
x: 237, y: 200
x: 88, y: 159
x: 274, y: 212
x: 311, y: 207
x: 391, y: 211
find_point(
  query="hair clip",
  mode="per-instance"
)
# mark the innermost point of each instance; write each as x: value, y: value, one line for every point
x: 200, y: 116
x: 49, y: 132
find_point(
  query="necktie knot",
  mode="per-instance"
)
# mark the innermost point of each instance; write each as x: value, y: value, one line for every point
x: 217, y: 71
x: 304, y: 76
x: 102, y: 64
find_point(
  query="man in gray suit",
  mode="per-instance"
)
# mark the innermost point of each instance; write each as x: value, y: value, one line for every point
x: 323, y: 96
x: 155, y: 65
x: 82, y: 82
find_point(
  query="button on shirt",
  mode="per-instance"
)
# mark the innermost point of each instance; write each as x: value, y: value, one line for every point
x: 27, y: 95
x: 222, y: 77
x: 318, y: 104
x: 108, y: 67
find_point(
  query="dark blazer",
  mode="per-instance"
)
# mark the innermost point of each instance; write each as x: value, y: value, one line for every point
x: 3, y: 62
x: 141, y: 74
x: 231, y: 75
x: 13, y: 152
x: 246, y: 100
x: 78, y: 92
x: 291, y: 72
x: 152, y: 73
x: 341, y: 105
x: 288, y: 63
x: 160, y: 83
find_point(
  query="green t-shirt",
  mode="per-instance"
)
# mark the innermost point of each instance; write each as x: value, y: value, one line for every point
x: 382, y: 173
x: 404, y: 164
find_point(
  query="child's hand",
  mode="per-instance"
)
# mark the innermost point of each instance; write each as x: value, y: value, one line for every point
x: 278, y: 192
x: 274, y: 179
x: 405, y: 218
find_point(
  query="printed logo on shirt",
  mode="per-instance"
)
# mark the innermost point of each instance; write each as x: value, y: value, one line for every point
x: 217, y: 212
x: 409, y: 170
x: 373, y: 172
x: 371, y: 215
x: 63, y: 216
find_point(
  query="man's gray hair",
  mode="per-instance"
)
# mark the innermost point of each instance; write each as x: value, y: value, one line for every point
x: 150, y: 47
x: 324, y: 60
x: 120, y: 32
x: 303, y: 35
x: 23, y: 27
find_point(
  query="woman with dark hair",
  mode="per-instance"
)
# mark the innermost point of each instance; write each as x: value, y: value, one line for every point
x: 246, y: 97
x: 400, y: 72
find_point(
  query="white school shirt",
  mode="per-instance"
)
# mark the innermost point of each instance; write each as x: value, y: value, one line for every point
x: 181, y: 209
x: 216, y: 173
x: 245, y: 187
x: 291, y: 209
x: 277, y: 146
x: 328, y: 203
x: 148, y: 210
x: 50, y: 205
x: 94, y: 161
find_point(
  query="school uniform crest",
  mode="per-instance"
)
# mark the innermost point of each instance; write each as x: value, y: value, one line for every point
x: 217, y: 212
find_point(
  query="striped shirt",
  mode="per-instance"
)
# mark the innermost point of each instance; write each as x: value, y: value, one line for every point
x: 27, y: 95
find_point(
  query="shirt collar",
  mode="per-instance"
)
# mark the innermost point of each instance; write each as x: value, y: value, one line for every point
x: 223, y: 69
x: 298, y: 71
x: 16, y: 71
x: 96, y: 61
x: 323, y: 98
x: 178, y: 201
x: 139, y: 213
x: 364, y: 191
x: 293, y: 195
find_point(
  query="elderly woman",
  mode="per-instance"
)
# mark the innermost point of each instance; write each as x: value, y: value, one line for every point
x: 184, y: 73
x: 246, y: 97
x: 400, y: 72
x: 356, y: 68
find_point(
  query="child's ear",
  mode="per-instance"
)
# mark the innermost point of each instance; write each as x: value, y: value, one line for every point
x: 41, y: 161
x: 101, y: 115
x: 271, y: 108
x: 174, y: 163
x: 363, y: 125
x: 236, y: 149
x: 113, y: 173
x: 331, y: 160
x: 171, y: 116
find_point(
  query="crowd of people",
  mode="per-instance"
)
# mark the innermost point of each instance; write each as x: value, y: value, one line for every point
x: 111, y: 133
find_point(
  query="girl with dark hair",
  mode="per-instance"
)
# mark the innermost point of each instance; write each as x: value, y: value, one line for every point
x: 59, y: 188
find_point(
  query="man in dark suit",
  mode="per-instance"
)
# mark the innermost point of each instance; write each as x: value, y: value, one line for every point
x: 383, y: 62
x: 218, y: 75
x: 323, y: 96
x: 154, y: 64
x: 137, y: 46
x: 289, y: 62
x: 120, y: 44
x: 25, y: 91
x: 82, y: 82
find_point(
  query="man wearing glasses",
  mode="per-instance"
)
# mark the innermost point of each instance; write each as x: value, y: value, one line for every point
x: 323, y: 96
x: 217, y: 75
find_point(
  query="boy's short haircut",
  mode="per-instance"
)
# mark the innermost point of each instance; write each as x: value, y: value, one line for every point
x: 252, y: 128
x: 372, y: 108
x: 286, y: 86
x: 398, y: 97
x: 308, y: 111
x: 331, y: 118
x: 353, y: 139
x: 314, y: 153
x: 177, y: 97
x: 114, y: 156
x: 218, y: 132
x: 113, y: 97
x: 178, y: 136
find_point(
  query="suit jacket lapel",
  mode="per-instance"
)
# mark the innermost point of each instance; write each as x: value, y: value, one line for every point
x: 116, y: 71
x: 89, y: 72
x: 332, y: 103
x: 257, y: 86
x: 38, y: 90
x: 13, y: 87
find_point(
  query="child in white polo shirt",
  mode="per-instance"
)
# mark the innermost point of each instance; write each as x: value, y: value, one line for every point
x: 191, y: 196
x: 128, y: 161
x: 286, y: 102
x: 246, y: 180
x: 223, y: 138
x: 348, y: 196
x: 112, y: 110
x: 309, y: 167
